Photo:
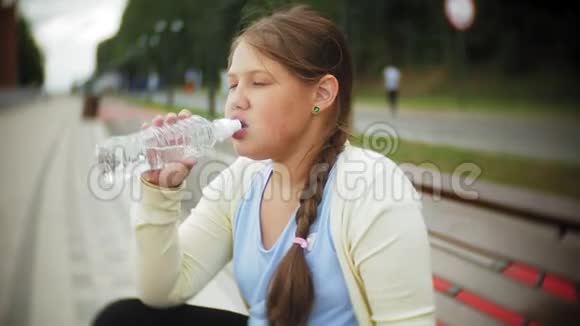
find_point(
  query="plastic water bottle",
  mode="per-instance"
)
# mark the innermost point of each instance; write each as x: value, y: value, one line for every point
x: 156, y: 146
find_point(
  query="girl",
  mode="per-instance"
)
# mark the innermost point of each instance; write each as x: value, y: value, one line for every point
x: 320, y: 232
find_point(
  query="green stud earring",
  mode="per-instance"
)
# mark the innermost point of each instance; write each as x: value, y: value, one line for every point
x: 316, y: 109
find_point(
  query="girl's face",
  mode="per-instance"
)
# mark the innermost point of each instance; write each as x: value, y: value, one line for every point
x: 275, y: 106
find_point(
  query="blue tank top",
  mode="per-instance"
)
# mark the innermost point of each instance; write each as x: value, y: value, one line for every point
x: 253, y: 265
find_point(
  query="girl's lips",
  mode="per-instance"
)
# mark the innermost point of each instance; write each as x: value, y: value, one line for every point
x: 240, y: 134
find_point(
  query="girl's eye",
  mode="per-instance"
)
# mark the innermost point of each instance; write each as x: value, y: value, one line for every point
x: 233, y: 86
x: 260, y: 84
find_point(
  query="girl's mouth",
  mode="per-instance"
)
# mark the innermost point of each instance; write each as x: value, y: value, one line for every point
x: 240, y: 133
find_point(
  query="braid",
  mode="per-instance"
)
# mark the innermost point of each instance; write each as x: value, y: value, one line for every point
x: 284, y: 300
x: 309, y: 202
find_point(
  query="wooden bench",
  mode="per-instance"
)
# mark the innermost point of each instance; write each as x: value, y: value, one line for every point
x: 502, y: 262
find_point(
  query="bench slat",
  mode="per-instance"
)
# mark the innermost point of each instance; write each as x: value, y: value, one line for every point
x: 452, y: 312
x: 485, y: 261
x: 528, y: 243
x: 532, y: 303
x: 572, y: 239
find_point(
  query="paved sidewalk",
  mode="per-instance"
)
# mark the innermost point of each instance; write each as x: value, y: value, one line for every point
x: 70, y: 251
x: 12, y: 97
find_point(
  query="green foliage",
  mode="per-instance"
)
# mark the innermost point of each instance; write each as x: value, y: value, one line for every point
x: 202, y: 42
x: 30, y: 58
x: 518, y: 38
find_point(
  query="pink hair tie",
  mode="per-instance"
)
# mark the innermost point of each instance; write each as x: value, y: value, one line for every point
x: 302, y: 242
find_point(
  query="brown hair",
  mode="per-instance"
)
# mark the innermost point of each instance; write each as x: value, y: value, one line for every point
x: 309, y: 46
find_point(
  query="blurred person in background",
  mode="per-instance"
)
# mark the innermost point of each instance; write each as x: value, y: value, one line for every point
x: 325, y: 254
x: 392, y: 76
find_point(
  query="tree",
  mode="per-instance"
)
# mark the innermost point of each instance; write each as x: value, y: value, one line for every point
x: 515, y: 37
x: 30, y: 58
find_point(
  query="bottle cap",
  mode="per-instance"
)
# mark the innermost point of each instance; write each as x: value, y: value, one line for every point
x: 225, y: 128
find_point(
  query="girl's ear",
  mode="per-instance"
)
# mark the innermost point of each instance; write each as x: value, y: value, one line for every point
x: 326, y: 92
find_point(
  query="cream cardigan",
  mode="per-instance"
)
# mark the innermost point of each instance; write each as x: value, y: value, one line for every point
x: 376, y: 223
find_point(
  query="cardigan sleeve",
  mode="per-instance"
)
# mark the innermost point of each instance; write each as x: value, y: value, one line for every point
x: 175, y: 261
x: 390, y: 252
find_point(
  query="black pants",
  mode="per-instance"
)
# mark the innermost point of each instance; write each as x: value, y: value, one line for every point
x: 129, y: 312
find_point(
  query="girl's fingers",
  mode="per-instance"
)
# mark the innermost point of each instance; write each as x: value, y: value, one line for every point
x: 170, y: 118
x: 189, y: 163
x: 157, y: 121
x: 184, y: 114
x: 152, y: 176
x: 145, y: 125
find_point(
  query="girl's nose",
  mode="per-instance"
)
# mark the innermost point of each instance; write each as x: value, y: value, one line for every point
x: 237, y: 100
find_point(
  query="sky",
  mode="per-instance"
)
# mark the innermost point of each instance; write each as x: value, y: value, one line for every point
x: 68, y: 32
